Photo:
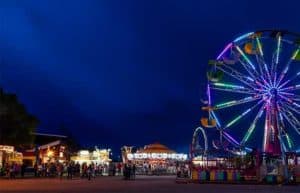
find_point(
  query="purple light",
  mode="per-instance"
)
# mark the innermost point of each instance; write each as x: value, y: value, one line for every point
x: 225, y: 49
x: 208, y: 95
x: 230, y: 138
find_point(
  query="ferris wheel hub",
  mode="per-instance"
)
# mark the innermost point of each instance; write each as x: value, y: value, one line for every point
x: 273, y: 92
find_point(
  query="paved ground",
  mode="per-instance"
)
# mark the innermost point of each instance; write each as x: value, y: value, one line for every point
x: 141, y: 185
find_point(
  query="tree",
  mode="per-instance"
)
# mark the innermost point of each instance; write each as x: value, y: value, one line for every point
x: 16, y: 124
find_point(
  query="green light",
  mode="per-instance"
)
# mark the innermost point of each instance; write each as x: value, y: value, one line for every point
x: 233, y: 121
x: 278, y: 49
x: 225, y: 104
x: 252, y: 127
x: 290, y: 143
x: 237, y: 118
x: 295, y: 54
x: 248, y: 134
x: 228, y: 85
x: 245, y: 57
x: 259, y: 46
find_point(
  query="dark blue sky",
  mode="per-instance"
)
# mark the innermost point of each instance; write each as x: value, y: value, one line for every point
x: 123, y: 72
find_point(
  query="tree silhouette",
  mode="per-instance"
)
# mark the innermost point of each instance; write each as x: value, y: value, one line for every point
x: 16, y: 124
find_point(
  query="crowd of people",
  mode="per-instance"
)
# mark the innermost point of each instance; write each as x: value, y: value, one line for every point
x: 62, y: 170
x: 70, y: 170
x: 12, y: 170
x: 129, y: 171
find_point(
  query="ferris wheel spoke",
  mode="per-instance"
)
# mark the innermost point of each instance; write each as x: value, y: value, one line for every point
x: 235, y: 102
x: 213, y: 115
x: 248, y: 66
x: 259, y: 61
x: 283, y: 132
x: 249, y: 70
x: 245, y: 57
x: 295, y: 97
x: 278, y: 50
x: 286, y: 68
x: 293, y: 109
x: 285, y: 98
x: 286, y: 93
x: 231, y: 88
x: 291, y: 119
x: 236, y: 119
x: 252, y: 126
x: 288, y: 81
x: 290, y: 96
x: 277, y: 58
x: 264, y: 70
x: 230, y: 138
x: 259, y: 46
x: 291, y: 88
x: 237, y: 75
x: 289, y: 106
x: 289, y: 140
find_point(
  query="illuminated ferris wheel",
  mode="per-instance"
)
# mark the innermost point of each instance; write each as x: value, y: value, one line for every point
x: 253, y: 87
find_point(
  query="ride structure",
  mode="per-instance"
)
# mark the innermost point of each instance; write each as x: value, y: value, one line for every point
x: 253, y: 102
x: 257, y: 73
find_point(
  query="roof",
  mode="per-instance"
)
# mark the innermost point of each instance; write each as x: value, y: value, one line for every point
x: 156, y: 148
x: 49, y: 135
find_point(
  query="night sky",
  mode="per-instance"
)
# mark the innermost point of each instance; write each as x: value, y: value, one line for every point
x: 126, y: 72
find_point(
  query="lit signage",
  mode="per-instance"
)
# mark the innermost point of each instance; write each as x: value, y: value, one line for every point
x: 84, y: 153
x: 163, y: 156
x: 6, y: 148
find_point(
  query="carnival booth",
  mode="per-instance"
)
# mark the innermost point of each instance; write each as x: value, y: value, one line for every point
x: 153, y: 159
x: 8, y: 155
x: 98, y: 157
x: 49, y: 148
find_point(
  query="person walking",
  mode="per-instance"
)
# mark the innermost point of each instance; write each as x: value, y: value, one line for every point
x: 70, y: 171
x: 133, y: 171
x: 89, y: 172
x: 23, y: 168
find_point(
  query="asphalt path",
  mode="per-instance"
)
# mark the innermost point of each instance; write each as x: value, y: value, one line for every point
x: 142, y: 184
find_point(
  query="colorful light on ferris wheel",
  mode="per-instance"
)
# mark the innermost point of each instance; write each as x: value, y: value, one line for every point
x: 259, y: 46
x: 278, y: 49
x: 225, y: 50
x: 245, y: 57
x: 227, y: 85
x: 243, y: 36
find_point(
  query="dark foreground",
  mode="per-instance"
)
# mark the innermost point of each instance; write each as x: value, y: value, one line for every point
x: 142, y: 184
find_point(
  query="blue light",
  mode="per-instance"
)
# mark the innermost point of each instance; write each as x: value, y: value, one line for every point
x: 242, y: 37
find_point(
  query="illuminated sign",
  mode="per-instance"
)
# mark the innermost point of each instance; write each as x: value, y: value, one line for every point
x: 6, y: 148
x: 84, y: 153
x: 162, y: 156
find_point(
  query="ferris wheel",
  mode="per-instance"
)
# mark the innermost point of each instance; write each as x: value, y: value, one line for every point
x: 254, y: 91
